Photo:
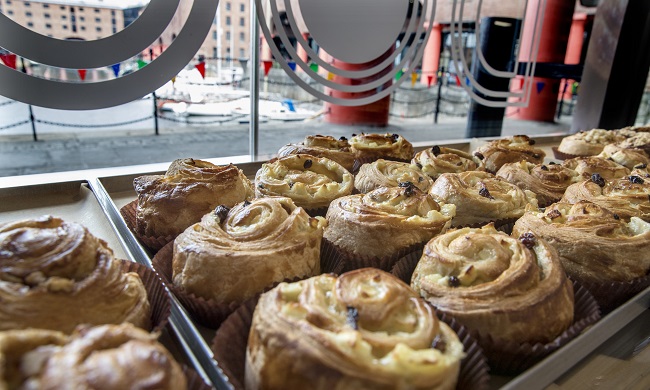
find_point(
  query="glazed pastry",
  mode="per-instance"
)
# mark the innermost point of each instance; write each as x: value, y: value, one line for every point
x: 627, y: 197
x: 595, y: 245
x: 481, y: 197
x: 386, y: 220
x: 589, y: 143
x: 437, y: 160
x: 56, y: 275
x: 103, y: 357
x: 639, y: 141
x: 386, y: 146
x: 323, y: 146
x: 629, y: 158
x: 495, y: 154
x: 233, y: 254
x: 386, y: 173
x: 312, y: 182
x: 169, y: 203
x: 548, y: 182
x: 587, y: 166
x: 365, y: 329
x: 511, y: 288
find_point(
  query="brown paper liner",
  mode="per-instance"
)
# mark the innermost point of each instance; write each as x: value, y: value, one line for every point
x: 405, y: 266
x: 230, y: 342
x: 353, y: 261
x: 194, y: 380
x: 317, y: 212
x: 153, y: 243
x: 564, y: 156
x: 511, y: 358
x: 611, y: 295
x: 210, y: 313
x: 156, y: 293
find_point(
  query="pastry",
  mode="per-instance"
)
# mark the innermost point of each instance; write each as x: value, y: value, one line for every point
x: 323, y: 146
x: 495, y: 154
x: 365, y: 329
x: 102, y: 357
x: 385, y: 221
x: 509, y: 288
x: 370, y: 147
x: 387, y: 173
x: 437, y: 160
x: 629, y: 158
x: 626, y: 197
x: 639, y: 141
x: 56, y: 275
x: 587, y: 166
x: 595, y: 245
x: 481, y: 197
x: 233, y: 254
x: 312, y: 182
x: 548, y: 182
x: 588, y: 143
x: 169, y: 203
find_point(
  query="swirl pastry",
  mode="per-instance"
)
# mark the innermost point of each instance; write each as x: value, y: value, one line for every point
x: 56, y: 275
x: 506, y: 287
x: 481, y: 197
x: 437, y: 160
x: 312, y: 182
x: 323, y: 146
x: 629, y: 158
x: 103, y: 357
x: 386, y: 173
x: 587, y: 166
x: 495, y: 154
x: 594, y: 244
x: 548, y: 182
x: 386, y: 146
x: 589, y: 143
x: 386, y: 220
x: 365, y: 329
x: 169, y: 203
x: 627, y: 197
x: 268, y: 240
x: 641, y: 140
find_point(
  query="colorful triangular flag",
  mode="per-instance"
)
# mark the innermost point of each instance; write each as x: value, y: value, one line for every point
x: 414, y: 78
x: 116, y: 69
x: 201, y: 68
x: 429, y: 80
x: 292, y: 65
x: 267, y: 67
x: 540, y: 86
x: 9, y: 59
x: 82, y: 73
x: 314, y: 67
x: 142, y: 64
x: 399, y: 74
x: 330, y: 76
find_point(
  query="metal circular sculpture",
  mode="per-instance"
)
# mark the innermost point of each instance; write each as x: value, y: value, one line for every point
x: 121, y: 46
x: 364, y: 33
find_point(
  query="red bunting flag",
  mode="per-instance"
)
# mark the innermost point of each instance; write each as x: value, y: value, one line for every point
x: 458, y: 83
x: 429, y: 80
x: 82, y: 73
x: 201, y: 68
x: 9, y: 59
x: 267, y: 67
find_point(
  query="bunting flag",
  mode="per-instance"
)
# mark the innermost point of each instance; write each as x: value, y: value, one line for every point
x: 466, y: 80
x: 399, y: 74
x: 458, y: 83
x: 330, y: 76
x: 9, y: 59
x: 314, y: 67
x: 82, y: 73
x: 174, y: 80
x: 429, y: 80
x: 141, y: 64
x: 292, y: 65
x: 201, y: 68
x: 267, y: 67
x: 540, y: 86
x: 116, y: 69
x: 414, y: 78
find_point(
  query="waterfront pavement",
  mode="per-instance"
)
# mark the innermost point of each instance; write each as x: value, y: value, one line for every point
x: 61, y: 152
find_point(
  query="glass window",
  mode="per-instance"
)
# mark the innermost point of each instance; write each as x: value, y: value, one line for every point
x: 45, y: 5
x: 242, y: 36
x: 227, y: 20
x: 46, y: 16
x: 48, y: 26
x: 28, y: 14
x: 242, y: 7
x: 228, y: 5
x: 98, y: 20
x: 242, y: 22
x: 227, y: 35
x: 98, y: 29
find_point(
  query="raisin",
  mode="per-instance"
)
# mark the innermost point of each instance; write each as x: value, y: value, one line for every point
x: 555, y: 213
x: 247, y: 203
x: 596, y: 178
x: 484, y: 192
x: 343, y: 138
x: 307, y: 164
x: 531, y: 142
x: 408, y: 187
x: 544, y: 168
x: 354, y: 135
x: 641, y: 166
x: 352, y: 317
x: 419, y: 165
x: 394, y: 137
x: 636, y: 179
x: 439, y: 344
x: 552, y: 163
x: 459, y: 164
x: 435, y: 150
x: 616, y: 217
x: 221, y: 212
x: 479, y: 155
x: 290, y: 184
x: 260, y: 186
x: 453, y: 281
x: 420, y: 179
x: 528, y: 239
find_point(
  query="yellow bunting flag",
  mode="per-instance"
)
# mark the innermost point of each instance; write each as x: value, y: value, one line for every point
x: 414, y: 78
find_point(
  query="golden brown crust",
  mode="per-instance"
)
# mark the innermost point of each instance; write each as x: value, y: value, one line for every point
x: 495, y: 154
x: 594, y: 244
x: 507, y: 287
x: 323, y: 146
x: 629, y: 158
x: 386, y: 220
x: 311, y: 182
x: 169, y: 203
x: 437, y: 160
x: 365, y: 329
x: 387, y: 173
x: 548, y: 182
x: 589, y: 143
x: 481, y: 197
x: 268, y: 240
x: 387, y: 146
x: 56, y: 275
x: 628, y: 197
x: 587, y: 166
x: 641, y: 140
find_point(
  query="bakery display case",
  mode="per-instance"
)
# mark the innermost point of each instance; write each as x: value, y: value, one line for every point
x: 605, y: 351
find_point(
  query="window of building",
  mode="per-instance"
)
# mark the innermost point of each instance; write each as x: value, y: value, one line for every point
x: 98, y: 29
x: 227, y: 20
x: 227, y: 35
x: 242, y: 22
x: 98, y: 20
x: 10, y: 12
x: 8, y: 2
x: 96, y: 10
x: 48, y: 26
x: 114, y: 29
x: 242, y: 52
x: 62, y: 8
x: 30, y: 24
x: 27, y: 4
x: 46, y: 5
x: 214, y: 52
x: 28, y: 14
x: 83, y: 28
x: 228, y: 6
x: 74, y: 28
x: 242, y: 36
x: 242, y: 7
x: 46, y: 16
x: 65, y: 26
x: 214, y: 34
x: 81, y: 9
x: 64, y: 17
x: 113, y: 21
x: 82, y: 19
x: 113, y: 12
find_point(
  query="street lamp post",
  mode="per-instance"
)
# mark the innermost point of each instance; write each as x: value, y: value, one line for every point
x: 444, y: 62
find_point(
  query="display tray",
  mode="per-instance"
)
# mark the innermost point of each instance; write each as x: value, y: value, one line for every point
x: 614, y: 345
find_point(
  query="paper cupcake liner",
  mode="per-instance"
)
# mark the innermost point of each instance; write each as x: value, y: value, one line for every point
x: 405, y: 266
x: 230, y: 342
x: 317, y: 212
x: 153, y: 243
x: 157, y: 294
x: 352, y: 261
x: 194, y: 380
x: 565, y: 156
x: 511, y: 358
x: 611, y: 295
x: 331, y: 260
